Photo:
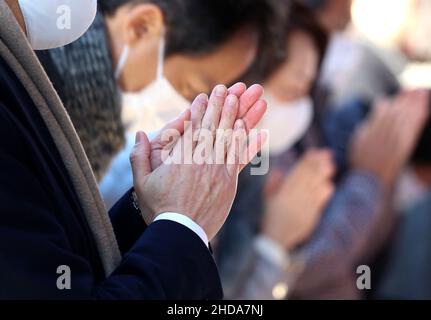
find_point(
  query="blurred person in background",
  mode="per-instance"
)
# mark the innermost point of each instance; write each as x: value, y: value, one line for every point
x: 377, y: 138
x: 398, y: 255
x: 351, y: 70
x: 405, y: 263
x: 405, y: 271
x: 173, y: 49
x: 397, y: 247
x: 271, y: 247
x: 269, y: 220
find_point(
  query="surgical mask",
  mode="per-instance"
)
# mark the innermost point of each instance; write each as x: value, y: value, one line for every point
x: 286, y: 123
x: 56, y: 23
x: 158, y: 103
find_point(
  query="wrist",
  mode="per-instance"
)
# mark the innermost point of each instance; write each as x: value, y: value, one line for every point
x: 144, y: 212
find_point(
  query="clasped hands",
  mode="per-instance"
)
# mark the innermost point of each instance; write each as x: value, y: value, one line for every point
x: 202, y: 191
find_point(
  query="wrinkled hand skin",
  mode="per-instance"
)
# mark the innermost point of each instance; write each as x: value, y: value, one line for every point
x: 204, y: 192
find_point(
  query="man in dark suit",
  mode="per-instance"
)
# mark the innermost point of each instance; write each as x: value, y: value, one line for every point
x: 57, y: 241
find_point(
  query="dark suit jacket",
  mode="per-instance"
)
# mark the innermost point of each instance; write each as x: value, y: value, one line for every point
x: 42, y: 226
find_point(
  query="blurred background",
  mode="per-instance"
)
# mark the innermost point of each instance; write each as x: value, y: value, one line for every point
x: 400, y: 32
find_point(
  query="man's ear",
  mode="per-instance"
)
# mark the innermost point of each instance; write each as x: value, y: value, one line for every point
x: 144, y: 20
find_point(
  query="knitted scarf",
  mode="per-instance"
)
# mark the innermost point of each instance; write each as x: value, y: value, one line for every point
x: 88, y: 89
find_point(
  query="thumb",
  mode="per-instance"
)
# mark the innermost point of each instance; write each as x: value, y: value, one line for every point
x: 140, y: 156
x: 178, y: 125
x: 173, y: 131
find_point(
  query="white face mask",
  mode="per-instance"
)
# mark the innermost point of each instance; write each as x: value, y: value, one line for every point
x: 154, y: 106
x: 56, y: 23
x: 286, y: 123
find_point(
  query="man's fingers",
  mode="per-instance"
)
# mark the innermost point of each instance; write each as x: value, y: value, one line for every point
x: 206, y: 137
x: 251, y: 107
x: 229, y: 113
x: 255, y: 114
x: 224, y: 132
x: 237, y: 149
x: 140, y: 156
x: 215, y: 104
x: 249, y: 98
x: 167, y: 138
x: 237, y: 89
x: 178, y: 123
x: 175, y: 125
x: 183, y: 150
x: 198, y: 109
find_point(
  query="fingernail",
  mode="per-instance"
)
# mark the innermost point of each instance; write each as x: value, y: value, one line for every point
x: 220, y: 91
x: 258, y: 87
x: 231, y: 101
x: 239, y: 124
x: 202, y: 98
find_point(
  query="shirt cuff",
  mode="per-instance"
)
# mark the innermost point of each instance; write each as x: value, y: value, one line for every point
x: 185, y: 221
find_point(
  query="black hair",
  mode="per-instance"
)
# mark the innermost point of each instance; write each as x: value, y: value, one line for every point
x: 197, y: 27
x: 422, y: 152
x: 302, y: 19
x: 298, y: 17
x: 315, y: 4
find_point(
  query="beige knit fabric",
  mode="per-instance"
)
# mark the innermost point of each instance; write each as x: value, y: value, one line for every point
x: 16, y: 51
